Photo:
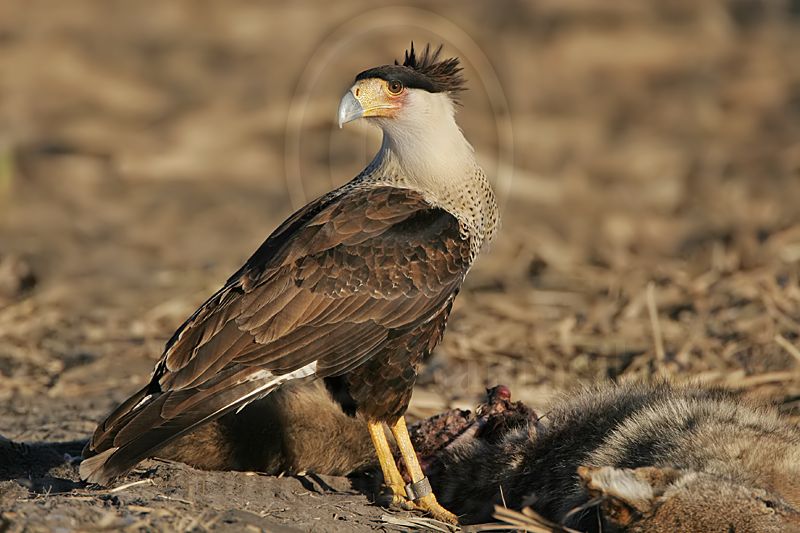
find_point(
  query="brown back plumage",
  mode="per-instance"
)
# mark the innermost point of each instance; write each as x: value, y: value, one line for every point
x: 355, y: 277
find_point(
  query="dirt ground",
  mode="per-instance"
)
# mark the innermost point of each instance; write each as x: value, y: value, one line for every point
x: 651, y: 223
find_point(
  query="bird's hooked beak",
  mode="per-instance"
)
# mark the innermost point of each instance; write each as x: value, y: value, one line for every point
x: 369, y: 97
x: 349, y: 109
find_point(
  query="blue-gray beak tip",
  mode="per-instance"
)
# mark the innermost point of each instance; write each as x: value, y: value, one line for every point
x: 349, y: 109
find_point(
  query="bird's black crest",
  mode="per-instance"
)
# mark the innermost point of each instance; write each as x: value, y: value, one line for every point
x: 424, y: 71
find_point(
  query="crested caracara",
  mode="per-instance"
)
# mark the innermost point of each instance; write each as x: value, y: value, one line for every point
x: 354, y: 288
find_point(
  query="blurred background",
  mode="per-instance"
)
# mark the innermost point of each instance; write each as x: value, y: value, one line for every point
x: 647, y: 155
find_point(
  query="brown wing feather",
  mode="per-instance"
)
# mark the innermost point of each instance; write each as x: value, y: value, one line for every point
x: 331, y: 285
x: 407, y: 261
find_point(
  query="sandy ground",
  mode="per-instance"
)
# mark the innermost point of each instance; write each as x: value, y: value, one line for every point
x: 651, y: 224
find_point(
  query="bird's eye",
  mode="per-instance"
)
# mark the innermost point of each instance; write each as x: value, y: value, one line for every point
x: 395, y: 87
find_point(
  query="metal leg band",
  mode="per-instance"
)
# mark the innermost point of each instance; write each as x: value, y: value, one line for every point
x: 418, y: 489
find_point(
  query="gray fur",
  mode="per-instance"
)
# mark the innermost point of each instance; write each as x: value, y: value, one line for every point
x: 659, y: 457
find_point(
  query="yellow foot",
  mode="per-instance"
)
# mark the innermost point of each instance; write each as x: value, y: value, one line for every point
x: 432, y: 507
x: 426, y: 504
x: 399, y: 499
x: 422, y: 499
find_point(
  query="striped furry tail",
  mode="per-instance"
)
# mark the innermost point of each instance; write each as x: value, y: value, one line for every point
x: 148, y: 421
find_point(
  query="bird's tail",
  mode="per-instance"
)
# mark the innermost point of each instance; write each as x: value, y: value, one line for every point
x: 149, y: 420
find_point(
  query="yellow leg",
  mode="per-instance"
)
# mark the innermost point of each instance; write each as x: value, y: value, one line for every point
x: 428, y: 501
x: 391, y: 475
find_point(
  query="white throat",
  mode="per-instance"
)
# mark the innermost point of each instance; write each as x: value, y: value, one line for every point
x: 426, y: 143
x: 423, y: 149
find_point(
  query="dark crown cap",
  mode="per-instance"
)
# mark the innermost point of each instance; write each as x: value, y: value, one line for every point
x: 426, y: 72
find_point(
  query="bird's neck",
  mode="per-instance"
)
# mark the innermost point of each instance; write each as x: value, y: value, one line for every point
x: 431, y: 155
x: 430, y: 151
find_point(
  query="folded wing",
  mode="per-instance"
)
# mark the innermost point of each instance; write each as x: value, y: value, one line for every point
x: 322, y: 295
